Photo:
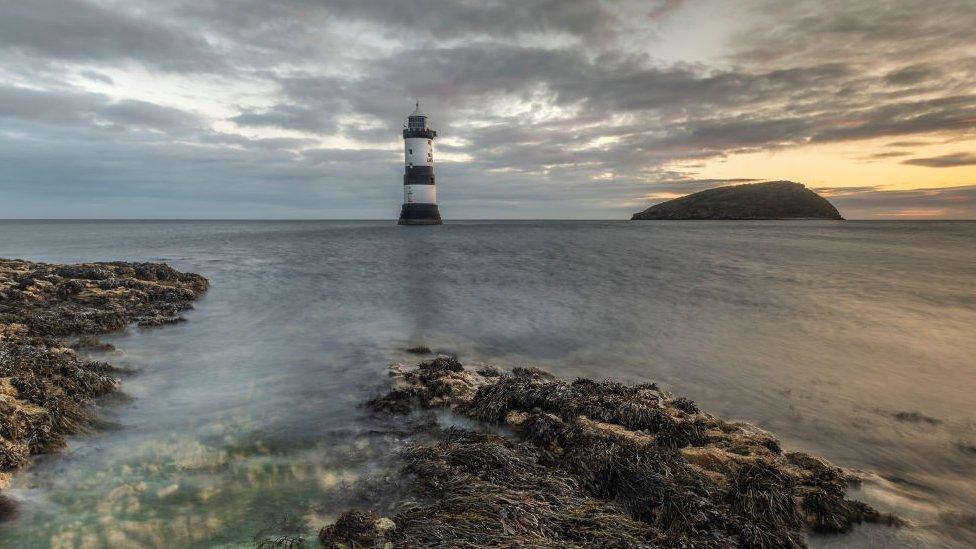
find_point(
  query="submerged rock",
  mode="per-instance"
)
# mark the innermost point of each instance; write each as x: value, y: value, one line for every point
x: 596, y: 463
x: 44, y: 384
x: 768, y: 200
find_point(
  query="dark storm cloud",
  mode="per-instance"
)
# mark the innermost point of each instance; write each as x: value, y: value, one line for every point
x: 92, y: 109
x: 424, y: 19
x: 679, y: 109
x: 294, y: 144
x: 547, y: 100
x: 734, y: 133
x: 666, y: 8
x: 885, y: 155
x: 912, y: 74
x: 906, y: 118
x: 882, y: 30
x: 442, y: 19
x: 670, y: 188
x: 295, y: 117
x: 864, y: 202
x: 80, y: 30
x: 97, y: 76
x: 904, y: 144
x: 944, y: 161
x: 607, y: 83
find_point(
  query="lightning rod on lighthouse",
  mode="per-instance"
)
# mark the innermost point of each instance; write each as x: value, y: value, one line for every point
x: 419, y: 192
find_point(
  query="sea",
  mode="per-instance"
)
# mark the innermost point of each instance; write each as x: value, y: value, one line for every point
x: 855, y: 341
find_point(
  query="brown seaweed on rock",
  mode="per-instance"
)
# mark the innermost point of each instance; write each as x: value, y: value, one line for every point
x: 594, y: 463
x: 45, y: 386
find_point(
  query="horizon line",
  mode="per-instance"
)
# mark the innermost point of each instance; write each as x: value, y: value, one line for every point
x: 300, y: 219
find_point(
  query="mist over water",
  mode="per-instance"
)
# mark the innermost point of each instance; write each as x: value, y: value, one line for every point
x: 849, y: 340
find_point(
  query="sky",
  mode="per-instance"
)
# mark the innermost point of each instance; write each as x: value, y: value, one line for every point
x: 543, y: 108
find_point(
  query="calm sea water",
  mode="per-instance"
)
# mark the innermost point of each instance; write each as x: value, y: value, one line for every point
x: 243, y: 422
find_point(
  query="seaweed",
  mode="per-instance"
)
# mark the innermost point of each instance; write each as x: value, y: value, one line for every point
x: 441, y: 364
x: 91, y: 343
x: 763, y: 494
x: 394, y: 402
x: 491, y: 491
x: 45, y: 387
x: 587, y: 462
x: 355, y: 528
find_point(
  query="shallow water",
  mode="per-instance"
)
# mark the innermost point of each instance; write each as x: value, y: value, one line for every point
x: 243, y: 421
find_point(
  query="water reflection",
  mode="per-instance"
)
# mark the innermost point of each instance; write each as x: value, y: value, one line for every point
x: 423, y: 273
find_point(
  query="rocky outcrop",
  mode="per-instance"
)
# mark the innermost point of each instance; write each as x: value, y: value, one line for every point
x: 769, y: 200
x: 44, y: 383
x: 593, y: 463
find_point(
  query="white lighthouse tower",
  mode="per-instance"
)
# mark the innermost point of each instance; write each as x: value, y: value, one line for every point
x: 419, y: 192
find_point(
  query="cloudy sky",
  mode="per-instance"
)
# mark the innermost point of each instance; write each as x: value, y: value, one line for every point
x: 544, y: 108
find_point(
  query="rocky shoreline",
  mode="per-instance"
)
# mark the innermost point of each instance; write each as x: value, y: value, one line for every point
x: 540, y: 461
x: 554, y: 463
x: 45, y: 385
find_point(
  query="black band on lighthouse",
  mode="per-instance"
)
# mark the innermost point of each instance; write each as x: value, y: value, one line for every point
x: 420, y: 214
x: 426, y: 133
x: 418, y: 175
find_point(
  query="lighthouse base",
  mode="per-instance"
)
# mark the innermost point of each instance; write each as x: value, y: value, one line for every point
x: 420, y: 214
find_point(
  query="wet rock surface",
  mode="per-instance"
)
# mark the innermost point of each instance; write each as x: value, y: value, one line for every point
x: 44, y: 384
x: 550, y: 462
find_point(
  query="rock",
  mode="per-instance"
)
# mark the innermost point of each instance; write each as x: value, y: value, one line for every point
x: 91, y: 343
x: 157, y: 321
x: 384, y: 525
x: 356, y: 529
x: 44, y: 385
x: 593, y: 463
x: 713, y: 459
x: 769, y: 200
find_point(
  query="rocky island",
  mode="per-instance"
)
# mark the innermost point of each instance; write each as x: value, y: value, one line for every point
x: 546, y: 462
x: 45, y: 384
x: 768, y: 200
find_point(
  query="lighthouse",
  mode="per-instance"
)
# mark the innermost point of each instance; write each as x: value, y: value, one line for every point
x: 419, y: 192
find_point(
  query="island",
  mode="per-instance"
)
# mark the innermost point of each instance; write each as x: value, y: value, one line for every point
x: 766, y: 200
